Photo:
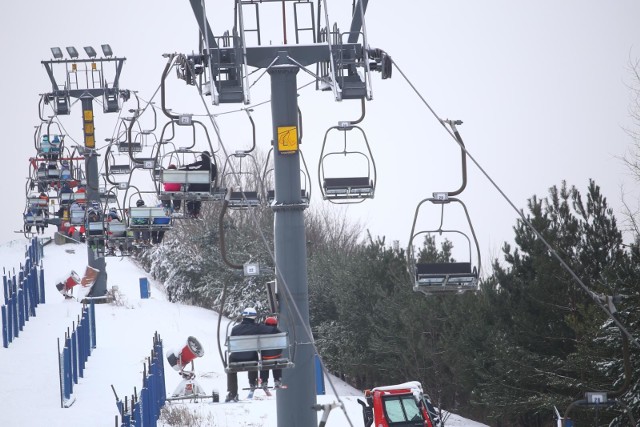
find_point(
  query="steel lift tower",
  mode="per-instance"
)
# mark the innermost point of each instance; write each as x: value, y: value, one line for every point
x: 86, y: 80
x: 342, y: 64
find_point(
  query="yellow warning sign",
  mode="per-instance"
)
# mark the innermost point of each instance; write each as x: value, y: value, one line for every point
x: 89, y: 141
x: 88, y: 115
x: 287, y: 139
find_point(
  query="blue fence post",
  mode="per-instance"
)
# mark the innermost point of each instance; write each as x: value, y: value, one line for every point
x: 80, y: 348
x: 61, y: 374
x: 20, y: 307
x: 10, y: 331
x: 144, y: 288
x: 319, y: 377
x: 74, y: 354
x: 92, y: 322
x: 41, y: 283
x: 126, y: 417
x: 14, y: 305
x: 136, y: 413
x: 68, y: 380
x: 160, y: 370
x: 5, y: 327
x: 21, y: 297
x: 5, y: 286
x: 34, y: 298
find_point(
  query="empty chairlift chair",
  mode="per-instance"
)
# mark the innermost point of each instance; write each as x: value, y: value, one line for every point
x: 246, y: 188
x: 432, y: 278
x: 336, y: 184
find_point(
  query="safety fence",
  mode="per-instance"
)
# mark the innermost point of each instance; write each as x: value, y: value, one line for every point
x: 144, y: 410
x: 22, y: 292
x: 78, y: 344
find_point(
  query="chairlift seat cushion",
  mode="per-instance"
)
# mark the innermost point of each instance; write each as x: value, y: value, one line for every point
x: 144, y: 216
x: 165, y: 220
x: 181, y: 176
x: 120, y: 169
x: 257, y: 342
x: 244, y: 198
x: 348, y: 187
x: 96, y: 226
x: 37, y: 202
x: 76, y: 217
x: 443, y: 268
x: 116, y: 228
x: 347, y: 182
x: 135, y: 147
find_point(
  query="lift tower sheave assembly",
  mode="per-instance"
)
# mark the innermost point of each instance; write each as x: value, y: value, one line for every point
x: 86, y: 80
x: 343, y: 68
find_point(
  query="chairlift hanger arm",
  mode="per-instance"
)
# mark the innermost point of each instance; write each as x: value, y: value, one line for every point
x: 163, y: 89
x: 164, y: 140
x: 452, y: 124
x: 41, y: 107
x: 253, y: 130
x: 203, y: 23
x: 356, y: 21
x: 130, y: 139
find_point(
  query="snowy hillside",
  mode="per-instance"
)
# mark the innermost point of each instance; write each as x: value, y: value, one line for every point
x: 30, y: 392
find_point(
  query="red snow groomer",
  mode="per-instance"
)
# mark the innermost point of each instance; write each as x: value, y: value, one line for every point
x: 399, y: 405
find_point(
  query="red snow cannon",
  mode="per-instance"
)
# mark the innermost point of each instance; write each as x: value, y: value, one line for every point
x: 192, y: 350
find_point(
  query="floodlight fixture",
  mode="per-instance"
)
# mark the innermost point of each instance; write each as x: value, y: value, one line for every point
x: 72, y: 51
x: 91, y: 52
x: 57, y: 52
x: 106, y: 49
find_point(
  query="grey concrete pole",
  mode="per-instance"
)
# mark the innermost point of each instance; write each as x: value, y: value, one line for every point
x: 99, y: 288
x: 294, y: 403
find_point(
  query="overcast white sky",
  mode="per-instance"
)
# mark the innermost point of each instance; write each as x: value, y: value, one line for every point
x: 541, y: 87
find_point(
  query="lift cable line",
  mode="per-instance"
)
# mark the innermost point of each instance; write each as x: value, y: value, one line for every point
x: 520, y: 214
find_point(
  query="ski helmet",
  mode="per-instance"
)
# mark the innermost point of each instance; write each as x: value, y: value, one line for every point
x: 271, y: 321
x: 249, y: 313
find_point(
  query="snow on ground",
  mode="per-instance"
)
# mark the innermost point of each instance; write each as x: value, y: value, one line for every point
x: 30, y: 392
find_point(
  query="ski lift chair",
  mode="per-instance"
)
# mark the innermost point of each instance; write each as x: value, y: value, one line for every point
x: 347, y: 189
x: 126, y: 147
x: 145, y: 220
x: 117, y: 238
x: 76, y: 217
x: 432, y: 278
x: 192, y: 184
x: 445, y: 277
x: 96, y: 230
x: 33, y: 218
x: 305, y: 181
x: 247, y: 188
x: 257, y: 343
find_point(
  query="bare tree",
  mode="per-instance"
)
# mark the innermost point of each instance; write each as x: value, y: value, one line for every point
x: 632, y: 158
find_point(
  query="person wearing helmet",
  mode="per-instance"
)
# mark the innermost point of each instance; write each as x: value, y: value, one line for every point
x: 271, y: 322
x: 205, y: 163
x: 113, y: 215
x: 247, y: 326
x: 172, y: 187
x: 141, y: 237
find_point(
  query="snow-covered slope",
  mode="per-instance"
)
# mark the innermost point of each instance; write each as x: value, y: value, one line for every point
x: 30, y: 392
